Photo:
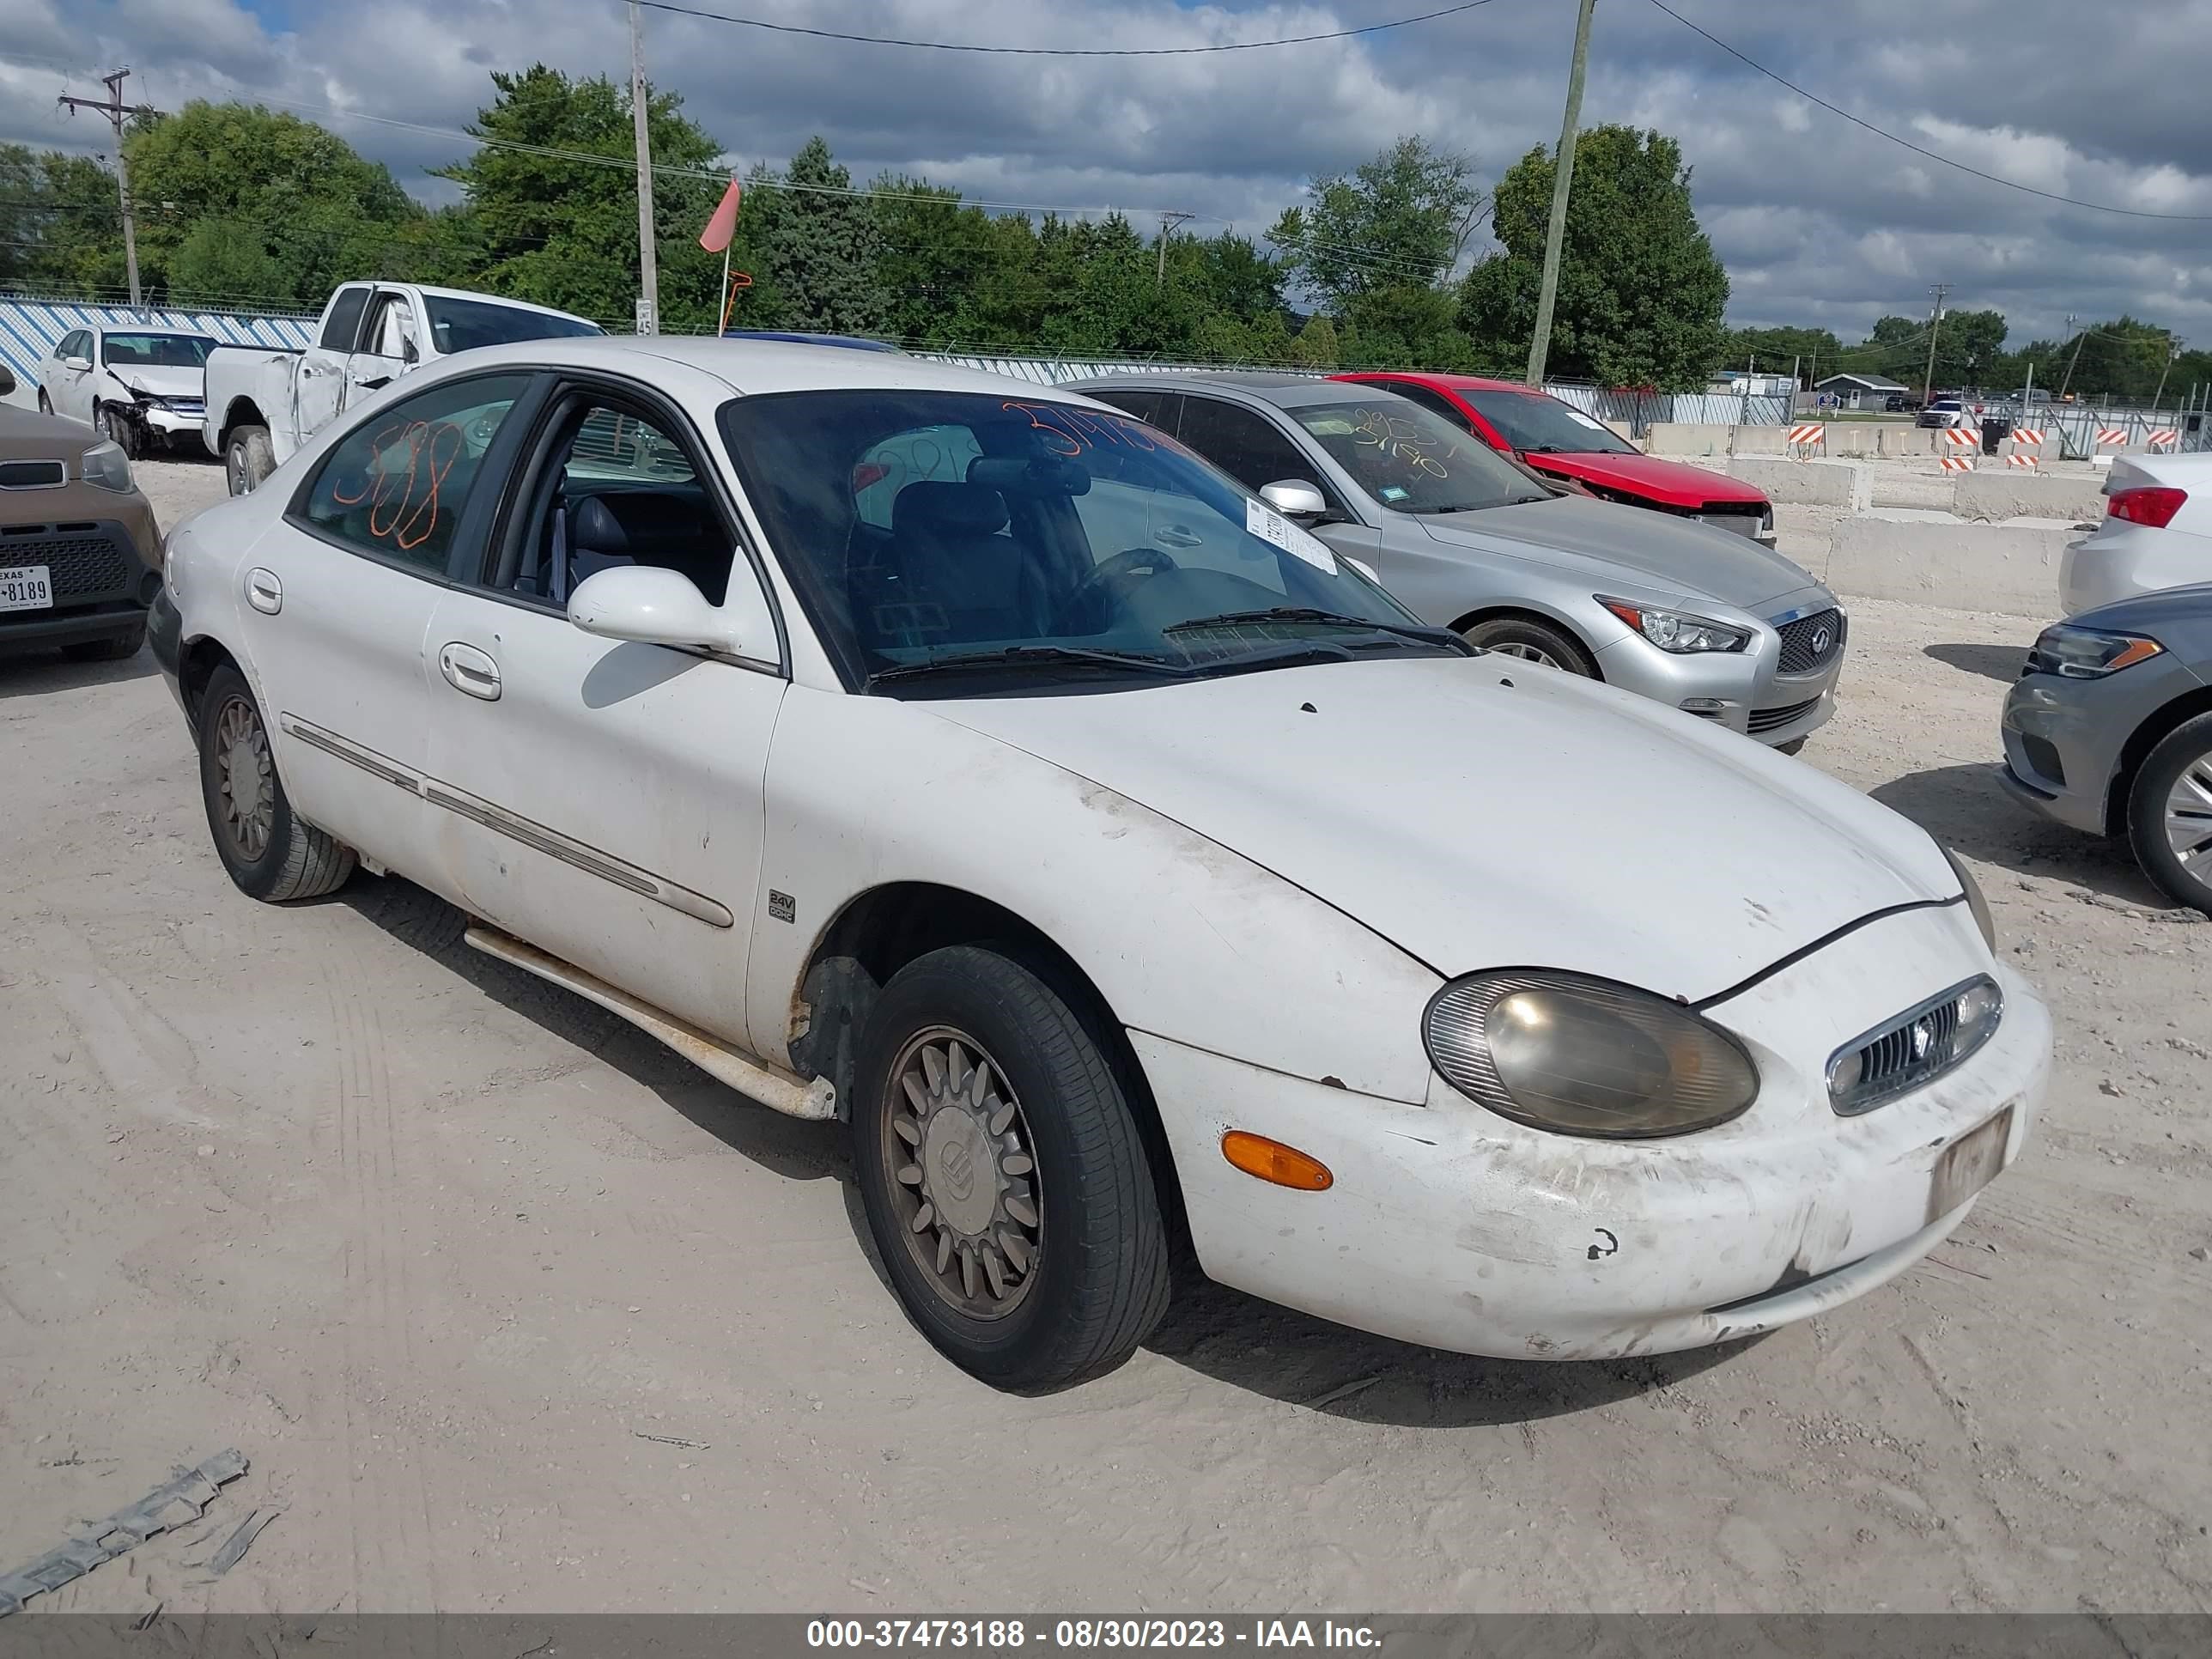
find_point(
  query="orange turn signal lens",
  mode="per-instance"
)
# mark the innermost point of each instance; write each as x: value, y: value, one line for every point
x: 1272, y: 1161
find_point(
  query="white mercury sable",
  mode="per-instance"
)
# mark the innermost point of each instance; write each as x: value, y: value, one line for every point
x: 975, y: 765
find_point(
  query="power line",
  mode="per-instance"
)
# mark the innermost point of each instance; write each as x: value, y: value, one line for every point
x: 1058, y: 51
x: 1921, y: 149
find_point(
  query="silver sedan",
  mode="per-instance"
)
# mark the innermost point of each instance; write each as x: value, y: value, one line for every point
x: 1699, y: 618
x: 2109, y: 729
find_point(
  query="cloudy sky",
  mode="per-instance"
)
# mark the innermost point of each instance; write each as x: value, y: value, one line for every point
x: 1818, y: 221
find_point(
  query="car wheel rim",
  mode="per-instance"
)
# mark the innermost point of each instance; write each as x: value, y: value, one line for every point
x: 964, y: 1174
x: 240, y: 483
x: 2189, y: 818
x: 1527, y: 652
x: 246, y: 779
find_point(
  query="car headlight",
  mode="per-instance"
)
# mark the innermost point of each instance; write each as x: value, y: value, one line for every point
x: 1582, y: 1056
x: 1975, y: 902
x: 106, y: 466
x: 2088, y: 653
x: 1678, y: 630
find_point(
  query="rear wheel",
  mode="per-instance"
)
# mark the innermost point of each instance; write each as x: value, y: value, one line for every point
x: 1531, y: 641
x: 2170, y: 814
x: 247, y: 459
x: 1003, y: 1176
x: 269, y: 854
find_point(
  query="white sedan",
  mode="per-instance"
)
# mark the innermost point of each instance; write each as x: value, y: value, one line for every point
x: 976, y: 766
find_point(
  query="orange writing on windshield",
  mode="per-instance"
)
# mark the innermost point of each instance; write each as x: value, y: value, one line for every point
x: 403, y: 503
x: 1070, y: 431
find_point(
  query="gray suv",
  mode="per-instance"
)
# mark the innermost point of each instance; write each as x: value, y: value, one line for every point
x: 1699, y: 618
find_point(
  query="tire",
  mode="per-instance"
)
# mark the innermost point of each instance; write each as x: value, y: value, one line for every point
x: 46, y: 404
x: 120, y: 648
x: 247, y: 459
x: 286, y: 859
x: 1095, y: 1282
x: 2170, y: 814
x: 1533, y: 641
x: 117, y: 429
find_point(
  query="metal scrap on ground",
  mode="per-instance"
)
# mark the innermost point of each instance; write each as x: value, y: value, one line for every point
x: 184, y: 1498
x: 241, y: 1540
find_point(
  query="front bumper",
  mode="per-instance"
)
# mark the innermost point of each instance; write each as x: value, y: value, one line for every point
x: 1449, y: 1226
x: 2064, y: 738
x: 170, y: 423
x: 1743, y: 691
x: 102, y: 580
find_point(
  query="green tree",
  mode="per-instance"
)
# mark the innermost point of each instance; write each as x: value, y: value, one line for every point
x: 1641, y: 292
x: 1816, y: 351
x: 1316, y: 346
x: 297, y: 209
x: 61, y: 225
x: 562, y: 231
x: 1400, y: 220
x: 820, y: 241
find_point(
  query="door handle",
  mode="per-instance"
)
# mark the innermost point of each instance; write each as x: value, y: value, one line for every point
x: 1176, y: 535
x: 263, y: 592
x: 470, y: 671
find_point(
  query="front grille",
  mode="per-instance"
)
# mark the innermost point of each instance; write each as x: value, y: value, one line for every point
x: 1918, y: 1046
x: 83, y: 567
x: 33, y: 475
x: 1773, y: 719
x: 1813, y: 641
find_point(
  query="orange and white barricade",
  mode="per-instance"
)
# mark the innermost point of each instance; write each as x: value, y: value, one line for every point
x: 2026, y: 448
x: 2112, y: 437
x: 1806, y: 436
x: 1964, y: 443
x: 2163, y: 440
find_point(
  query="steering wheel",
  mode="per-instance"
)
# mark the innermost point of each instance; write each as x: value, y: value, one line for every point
x: 1107, y: 585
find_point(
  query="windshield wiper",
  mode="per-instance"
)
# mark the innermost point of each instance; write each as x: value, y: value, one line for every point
x: 1299, y: 613
x: 1030, y: 656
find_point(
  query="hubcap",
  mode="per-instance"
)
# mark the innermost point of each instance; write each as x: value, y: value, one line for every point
x: 245, y: 777
x: 1527, y: 652
x: 241, y: 481
x: 964, y: 1174
x: 2189, y: 817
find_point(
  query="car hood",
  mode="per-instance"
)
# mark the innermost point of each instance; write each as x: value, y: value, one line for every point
x: 162, y: 382
x: 1479, y: 812
x: 1604, y: 538
x: 1676, y: 483
x: 26, y: 435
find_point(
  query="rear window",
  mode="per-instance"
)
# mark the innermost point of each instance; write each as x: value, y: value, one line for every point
x: 463, y: 325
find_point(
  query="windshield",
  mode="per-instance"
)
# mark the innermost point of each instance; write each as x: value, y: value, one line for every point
x: 157, y: 351
x: 460, y: 325
x: 1412, y: 461
x: 958, y: 544
x: 1536, y: 424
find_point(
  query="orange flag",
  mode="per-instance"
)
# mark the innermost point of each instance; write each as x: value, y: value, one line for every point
x: 724, y: 225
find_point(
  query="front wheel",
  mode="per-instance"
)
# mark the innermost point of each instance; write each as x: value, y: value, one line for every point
x: 2170, y: 814
x: 269, y: 854
x: 1531, y: 641
x: 247, y: 459
x: 117, y: 428
x: 46, y: 404
x: 1003, y: 1174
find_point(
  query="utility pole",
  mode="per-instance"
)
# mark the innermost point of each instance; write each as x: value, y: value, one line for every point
x: 1934, y: 327
x: 2067, y: 378
x: 2172, y: 356
x: 648, y: 258
x: 1563, y: 178
x: 1167, y: 222
x: 115, y: 109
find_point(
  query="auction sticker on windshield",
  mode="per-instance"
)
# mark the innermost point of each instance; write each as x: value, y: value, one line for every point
x: 1272, y: 526
x: 26, y: 587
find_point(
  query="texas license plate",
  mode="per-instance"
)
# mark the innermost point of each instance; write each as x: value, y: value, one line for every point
x: 26, y: 587
x: 1968, y: 1165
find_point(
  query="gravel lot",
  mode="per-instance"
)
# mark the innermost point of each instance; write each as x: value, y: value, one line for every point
x: 512, y: 1309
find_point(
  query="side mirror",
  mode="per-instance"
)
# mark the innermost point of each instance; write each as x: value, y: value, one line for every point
x: 76, y: 362
x: 651, y: 606
x: 1294, y: 498
x: 408, y: 353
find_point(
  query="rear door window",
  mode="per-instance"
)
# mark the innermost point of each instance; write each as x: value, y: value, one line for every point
x: 1245, y: 445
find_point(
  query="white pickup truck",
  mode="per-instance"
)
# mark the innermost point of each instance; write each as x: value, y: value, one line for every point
x: 263, y: 404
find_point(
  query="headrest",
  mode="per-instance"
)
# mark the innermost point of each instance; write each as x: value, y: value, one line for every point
x: 973, y: 508
x: 592, y: 527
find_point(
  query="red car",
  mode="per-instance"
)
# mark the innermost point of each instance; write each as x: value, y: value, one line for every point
x: 1561, y: 441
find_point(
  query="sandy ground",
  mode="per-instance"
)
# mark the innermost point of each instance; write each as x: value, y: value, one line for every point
x: 512, y: 1309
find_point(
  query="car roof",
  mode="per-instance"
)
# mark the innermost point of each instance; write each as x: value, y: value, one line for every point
x: 755, y: 368
x: 854, y: 341
x: 1286, y: 390
x: 1454, y: 382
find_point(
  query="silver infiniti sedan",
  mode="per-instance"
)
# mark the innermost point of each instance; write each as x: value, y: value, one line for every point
x: 1699, y: 618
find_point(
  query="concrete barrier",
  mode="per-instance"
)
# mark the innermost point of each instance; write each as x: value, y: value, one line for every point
x: 2012, y: 569
x: 2014, y: 493
x: 1686, y: 438
x: 1805, y: 484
